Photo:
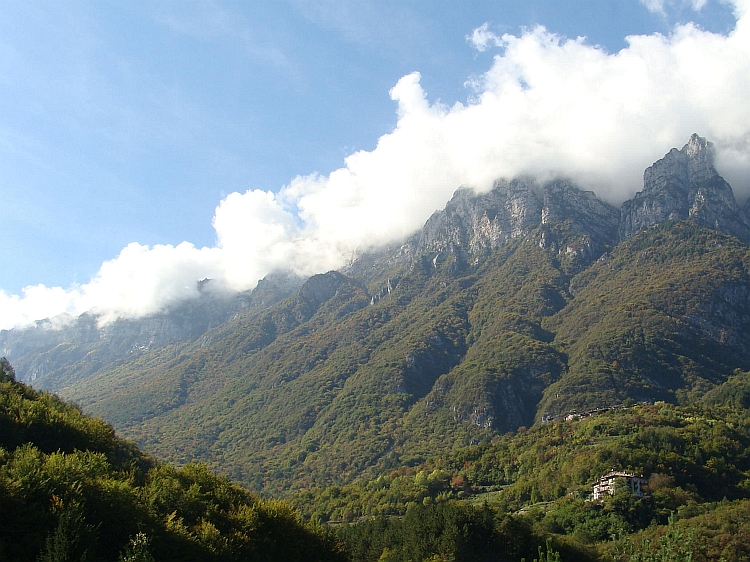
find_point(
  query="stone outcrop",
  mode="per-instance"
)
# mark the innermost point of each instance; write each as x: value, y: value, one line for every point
x: 684, y: 185
x: 480, y: 223
x: 473, y: 225
x: 319, y: 288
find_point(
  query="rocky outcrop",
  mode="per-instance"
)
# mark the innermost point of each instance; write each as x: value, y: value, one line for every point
x: 472, y: 225
x: 684, y: 185
x: 480, y: 223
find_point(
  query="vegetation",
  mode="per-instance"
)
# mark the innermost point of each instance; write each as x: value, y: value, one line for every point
x: 70, y: 490
x: 417, y: 426
x: 399, y: 425
x: 664, y: 317
x: 335, y: 385
x: 512, y: 495
x: 451, y: 531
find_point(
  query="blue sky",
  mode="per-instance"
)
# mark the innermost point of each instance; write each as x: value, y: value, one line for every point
x: 124, y: 125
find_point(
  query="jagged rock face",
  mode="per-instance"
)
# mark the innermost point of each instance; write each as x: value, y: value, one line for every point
x: 511, y: 210
x: 587, y: 213
x: 473, y: 224
x: 482, y: 222
x: 685, y: 185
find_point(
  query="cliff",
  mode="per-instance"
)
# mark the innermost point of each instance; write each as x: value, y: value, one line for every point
x: 684, y: 185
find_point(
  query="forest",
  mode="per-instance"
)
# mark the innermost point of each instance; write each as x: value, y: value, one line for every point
x: 70, y: 489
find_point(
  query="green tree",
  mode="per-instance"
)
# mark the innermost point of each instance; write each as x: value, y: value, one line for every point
x: 548, y: 555
x: 71, y: 540
x: 673, y: 546
x: 7, y: 373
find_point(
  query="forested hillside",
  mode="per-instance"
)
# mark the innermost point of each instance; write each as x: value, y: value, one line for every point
x: 70, y: 490
x: 508, y: 308
x: 330, y: 385
x: 505, y: 499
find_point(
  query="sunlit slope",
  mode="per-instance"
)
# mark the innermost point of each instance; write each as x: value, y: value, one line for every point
x: 333, y: 383
x: 665, y: 316
x: 71, y: 490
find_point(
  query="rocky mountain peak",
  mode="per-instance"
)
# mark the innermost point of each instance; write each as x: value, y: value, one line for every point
x: 475, y: 223
x: 700, y: 159
x: 684, y: 185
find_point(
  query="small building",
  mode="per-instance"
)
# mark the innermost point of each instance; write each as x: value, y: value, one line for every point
x: 614, y: 480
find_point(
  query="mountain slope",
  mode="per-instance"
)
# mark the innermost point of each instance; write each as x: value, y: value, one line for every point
x: 506, y: 308
x: 60, y: 352
x: 359, y: 382
x: 442, y: 362
x: 71, y: 490
x: 665, y: 316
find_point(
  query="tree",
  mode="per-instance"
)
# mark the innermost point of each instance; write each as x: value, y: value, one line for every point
x: 674, y: 546
x: 7, y: 373
x: 550, y: 555
x: 71, y: 539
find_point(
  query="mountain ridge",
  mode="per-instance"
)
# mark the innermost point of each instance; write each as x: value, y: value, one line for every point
x: 682, y: 185
x: 505, y: 308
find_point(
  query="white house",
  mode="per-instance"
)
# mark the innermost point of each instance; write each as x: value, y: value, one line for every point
x: 610, y: 482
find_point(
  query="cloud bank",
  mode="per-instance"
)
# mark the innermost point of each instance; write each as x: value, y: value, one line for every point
x: 548, y: 106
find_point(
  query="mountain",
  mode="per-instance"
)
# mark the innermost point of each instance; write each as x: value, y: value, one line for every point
x: 508, y: 308
x: 473, y: 226
x: 685, y: 185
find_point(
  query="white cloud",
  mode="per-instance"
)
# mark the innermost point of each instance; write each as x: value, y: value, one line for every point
x: 143, y: 280
x: 547, y: 106
x: 37, y: 302
x: 659, y: 6
x: 482, y: 38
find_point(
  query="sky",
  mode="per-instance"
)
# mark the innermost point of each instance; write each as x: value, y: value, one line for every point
x: 147, y: 145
